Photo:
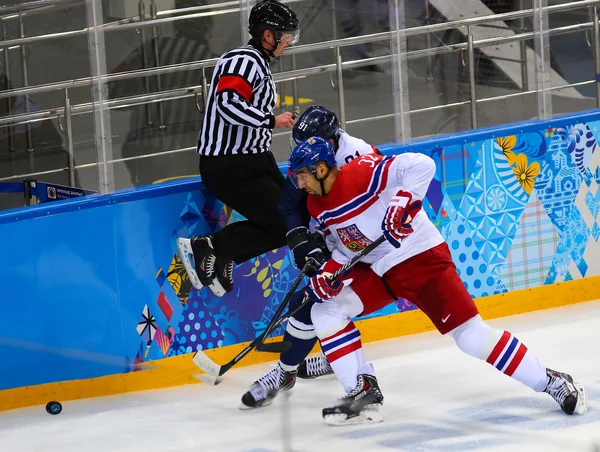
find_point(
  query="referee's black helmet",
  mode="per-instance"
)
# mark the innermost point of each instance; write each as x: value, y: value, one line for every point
x: 275, y: 16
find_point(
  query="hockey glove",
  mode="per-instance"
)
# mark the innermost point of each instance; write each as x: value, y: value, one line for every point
x: 305, y: 249
x: 321, y: 288
x: 401, y: 211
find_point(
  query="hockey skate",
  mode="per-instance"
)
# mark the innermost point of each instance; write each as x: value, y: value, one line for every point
x: 359, y: 406
x: 224, y: 273
x: 570, y: 395
x: 263, y: 391
x: 314, y: 367
x: 202, y: 270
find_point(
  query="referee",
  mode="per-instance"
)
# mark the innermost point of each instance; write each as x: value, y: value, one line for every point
x: 236, y: 163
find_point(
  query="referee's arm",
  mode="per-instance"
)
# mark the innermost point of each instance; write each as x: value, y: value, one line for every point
x: 234, y: 92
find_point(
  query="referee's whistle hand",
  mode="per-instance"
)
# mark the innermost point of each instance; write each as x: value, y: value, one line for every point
x: 285, y: 120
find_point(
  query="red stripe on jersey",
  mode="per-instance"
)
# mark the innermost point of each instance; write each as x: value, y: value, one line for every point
x: 352, y: 181
x: 237, y: 84
x: 348, y: 328
x: 364, y: 206
x: 340, y: 353
x: 498, y: 348
x: 375, y: 150
x: 516, y: 360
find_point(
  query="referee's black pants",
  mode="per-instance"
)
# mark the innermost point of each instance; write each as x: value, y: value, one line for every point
x: 251, y: 184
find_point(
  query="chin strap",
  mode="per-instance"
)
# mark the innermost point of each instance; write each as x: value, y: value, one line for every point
x: 322, y: 180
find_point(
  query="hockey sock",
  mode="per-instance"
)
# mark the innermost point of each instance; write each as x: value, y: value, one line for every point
x: 291, y: 359
x: 345, y: 354
x: 502, y: 350
x: 299, y: 332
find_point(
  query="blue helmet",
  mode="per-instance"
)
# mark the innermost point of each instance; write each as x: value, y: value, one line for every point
x: 316, y: 121
x: 310, y: 152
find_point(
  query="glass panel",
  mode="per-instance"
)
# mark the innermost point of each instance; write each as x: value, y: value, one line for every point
x: 367, y: 84
x: 39, y: 150
x: 439, y: 66
x: 187, y: 31
x: 572, y: 61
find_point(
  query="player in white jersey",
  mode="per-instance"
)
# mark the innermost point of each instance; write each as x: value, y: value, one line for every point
x: 355, y: 205
x: 314, y: 121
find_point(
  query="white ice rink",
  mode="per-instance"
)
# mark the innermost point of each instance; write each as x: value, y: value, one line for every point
x: 436, y: 399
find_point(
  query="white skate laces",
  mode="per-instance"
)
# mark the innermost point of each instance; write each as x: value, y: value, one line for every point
x: 270, y: 381
x: 228, y: 272
x: 207, y: 264
x: 570, y: 395
x: 318, y: 366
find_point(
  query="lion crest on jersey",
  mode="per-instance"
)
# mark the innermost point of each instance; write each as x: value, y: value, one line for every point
x: 353, y: 239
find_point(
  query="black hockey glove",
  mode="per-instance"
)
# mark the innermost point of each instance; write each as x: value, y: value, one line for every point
x: 306, y: 249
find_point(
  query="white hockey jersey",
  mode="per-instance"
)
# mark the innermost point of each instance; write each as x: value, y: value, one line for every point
x: 350, y: 147
x: 352, y: 212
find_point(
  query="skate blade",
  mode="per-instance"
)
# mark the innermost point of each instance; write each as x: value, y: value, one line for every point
x: 581, y: 406
x: 186, y: 254
x: 366, y: 416
x: 262, y: 405
x: 217, y: 288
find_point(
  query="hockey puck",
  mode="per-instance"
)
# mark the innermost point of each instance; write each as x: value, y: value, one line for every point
x: 53, y: 408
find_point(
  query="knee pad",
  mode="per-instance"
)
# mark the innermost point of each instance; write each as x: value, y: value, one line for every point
x: 473, y: 336
x: 333, y: 315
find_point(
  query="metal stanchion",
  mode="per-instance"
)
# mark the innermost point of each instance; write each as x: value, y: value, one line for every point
x: 25, y: 83
x: 69, y: 138
x: 334, y: 31
x: 5, y: 51
x: 428, y: 40
x: 523, y: 49
x: 281, y: 90
x: 159, y: 105
x: 597, y: 55
x: 142, y: 14
x: 473, y: 94
x: 296, y: 100
x: 340, y: 89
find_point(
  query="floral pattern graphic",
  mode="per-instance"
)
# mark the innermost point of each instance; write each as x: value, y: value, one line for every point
x: 525, y: 173
x: 507, y: 144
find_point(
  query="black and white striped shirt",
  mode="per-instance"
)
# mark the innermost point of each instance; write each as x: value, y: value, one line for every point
x: 239, y: 114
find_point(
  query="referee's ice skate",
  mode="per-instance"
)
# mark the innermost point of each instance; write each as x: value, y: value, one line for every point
x: 359, y: 406
x: 206, y: 270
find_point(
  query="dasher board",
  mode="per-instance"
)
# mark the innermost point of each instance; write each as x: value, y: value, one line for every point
x: 457, y: 10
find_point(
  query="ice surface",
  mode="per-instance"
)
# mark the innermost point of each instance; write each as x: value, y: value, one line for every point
x: 436, y: 399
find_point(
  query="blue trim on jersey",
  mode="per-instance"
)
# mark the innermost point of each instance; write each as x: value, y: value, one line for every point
x: 507, y: 354
x: 356, y: 202
x: 353, y: 335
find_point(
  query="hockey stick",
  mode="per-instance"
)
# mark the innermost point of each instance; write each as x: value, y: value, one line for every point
x: 201, y: 360
x: 347, y: 266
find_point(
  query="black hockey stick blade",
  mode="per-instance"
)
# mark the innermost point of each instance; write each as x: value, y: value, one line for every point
x: 273, y: 347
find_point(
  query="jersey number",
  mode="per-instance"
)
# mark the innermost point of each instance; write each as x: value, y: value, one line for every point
x: 349, y: 158
x: 368, y: 159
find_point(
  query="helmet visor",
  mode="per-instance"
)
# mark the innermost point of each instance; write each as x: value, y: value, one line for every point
x: 290, y: 38
x: 299, y: 180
